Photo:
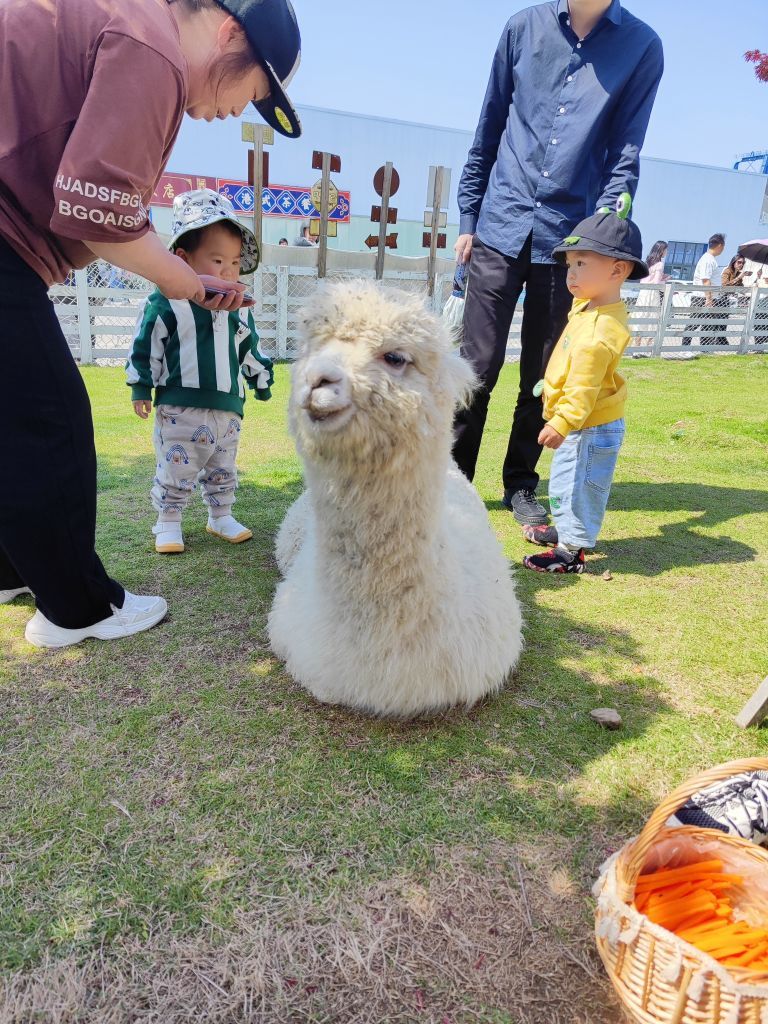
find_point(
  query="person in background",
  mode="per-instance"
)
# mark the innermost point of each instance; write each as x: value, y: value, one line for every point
x: 707, y: 273
x: 283, y: 241
x: 305, y: 239
x: 652, y: 296
x: 77, y: 173
x: 732, y: 277
x: 756, y: 276
x: 563, y: 121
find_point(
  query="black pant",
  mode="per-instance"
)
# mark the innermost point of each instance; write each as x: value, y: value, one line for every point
x: 699, y: 302
x: 48, y: 493
x: 495, y: 284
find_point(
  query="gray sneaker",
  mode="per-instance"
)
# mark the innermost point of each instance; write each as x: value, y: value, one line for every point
x: 525, y: 507
x: 738, y: 806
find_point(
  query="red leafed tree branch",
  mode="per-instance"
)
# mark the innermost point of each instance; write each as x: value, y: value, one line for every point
x: 760, y: 60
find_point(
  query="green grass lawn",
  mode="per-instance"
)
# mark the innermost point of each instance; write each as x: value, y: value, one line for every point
x: 185, y: 835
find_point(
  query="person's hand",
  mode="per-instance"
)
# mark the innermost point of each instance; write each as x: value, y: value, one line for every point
x: 550, y: 438
x: 142, y: 408
x: 235, y: 291
x: 179, y: 281
x: 463, y: 248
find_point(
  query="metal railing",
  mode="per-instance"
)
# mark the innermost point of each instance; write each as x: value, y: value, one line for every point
x: 98, y: 308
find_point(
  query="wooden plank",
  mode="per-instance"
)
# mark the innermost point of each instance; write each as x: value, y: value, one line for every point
x: 385, y: 196
x: 756, y: 709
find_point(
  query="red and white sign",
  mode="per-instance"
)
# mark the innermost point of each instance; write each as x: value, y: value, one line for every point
x: 170, y: 185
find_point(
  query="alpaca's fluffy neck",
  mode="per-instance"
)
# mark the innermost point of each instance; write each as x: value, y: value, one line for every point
x: 378, y: 527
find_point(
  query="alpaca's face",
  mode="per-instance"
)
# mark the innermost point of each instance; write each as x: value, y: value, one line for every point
x: 375, y: 374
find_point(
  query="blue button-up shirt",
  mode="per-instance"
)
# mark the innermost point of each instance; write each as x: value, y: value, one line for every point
x: 561, y: 129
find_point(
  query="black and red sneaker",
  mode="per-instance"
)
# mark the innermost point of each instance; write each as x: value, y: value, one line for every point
x: 557, y: 560
x: 544, y: 536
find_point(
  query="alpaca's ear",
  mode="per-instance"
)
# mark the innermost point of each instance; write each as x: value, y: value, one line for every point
x: 460, y: 377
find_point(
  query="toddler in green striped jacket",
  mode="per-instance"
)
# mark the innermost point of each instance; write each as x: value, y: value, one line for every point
x: 196, y: 361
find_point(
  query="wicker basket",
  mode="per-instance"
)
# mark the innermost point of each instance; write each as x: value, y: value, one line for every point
x: 659, y: 978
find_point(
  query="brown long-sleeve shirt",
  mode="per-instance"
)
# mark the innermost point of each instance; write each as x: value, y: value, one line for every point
x: 92, y: 95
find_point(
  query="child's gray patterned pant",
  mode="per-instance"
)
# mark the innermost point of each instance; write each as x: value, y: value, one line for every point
x: 194, y: 446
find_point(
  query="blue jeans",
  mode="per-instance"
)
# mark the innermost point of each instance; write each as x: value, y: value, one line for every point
x: 580, y: 482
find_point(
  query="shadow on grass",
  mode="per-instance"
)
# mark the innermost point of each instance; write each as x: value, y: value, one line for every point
x: 679, y: 544
x: 675, y: 545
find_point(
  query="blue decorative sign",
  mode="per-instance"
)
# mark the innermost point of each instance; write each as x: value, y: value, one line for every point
x: 283, y: 201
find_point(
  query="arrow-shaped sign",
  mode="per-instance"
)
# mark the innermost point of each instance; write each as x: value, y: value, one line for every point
x: 373, y: 240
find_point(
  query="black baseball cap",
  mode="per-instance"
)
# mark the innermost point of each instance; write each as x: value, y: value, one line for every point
x: 273, y: 33
x: 609, y: 234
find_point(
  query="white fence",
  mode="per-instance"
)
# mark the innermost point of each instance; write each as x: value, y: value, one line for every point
x: 99, y: 306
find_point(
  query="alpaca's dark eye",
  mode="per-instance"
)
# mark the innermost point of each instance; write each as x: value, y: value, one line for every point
x: 395, y: 358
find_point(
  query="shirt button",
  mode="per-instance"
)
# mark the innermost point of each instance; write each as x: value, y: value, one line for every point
x: 578, y: 46
x: 569, y: 78
x: 546, y: 174
x: 562, y: 110
x: 554, y: 142
x: 538, y: 204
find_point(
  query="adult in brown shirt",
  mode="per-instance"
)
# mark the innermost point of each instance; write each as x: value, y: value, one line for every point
x: 93, y: 93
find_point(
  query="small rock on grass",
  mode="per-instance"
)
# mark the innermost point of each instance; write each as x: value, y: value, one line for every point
x: 607, y: 717
x: 607, y: 575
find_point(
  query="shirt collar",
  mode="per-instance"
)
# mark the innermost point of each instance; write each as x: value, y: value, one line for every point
x: 612, y: 14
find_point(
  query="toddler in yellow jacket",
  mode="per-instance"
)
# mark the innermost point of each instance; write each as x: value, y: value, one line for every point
x: 584, y: 393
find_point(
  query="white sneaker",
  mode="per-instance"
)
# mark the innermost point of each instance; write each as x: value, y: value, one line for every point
x: 8, y: 595
x: 136, y: 615
x: 168, y: 538
x: 228, y: 528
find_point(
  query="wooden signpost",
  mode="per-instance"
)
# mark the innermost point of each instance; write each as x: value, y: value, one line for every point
x: 328, y: 195
x: 386, y: 182
x: 435, y: 218
x: 259, y: 135
x: 756, y: 709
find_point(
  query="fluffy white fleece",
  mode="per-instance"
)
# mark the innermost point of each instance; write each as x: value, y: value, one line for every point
x: 396, y: 598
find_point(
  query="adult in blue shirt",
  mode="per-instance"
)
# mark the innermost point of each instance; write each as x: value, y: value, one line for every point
x: 561, y: 128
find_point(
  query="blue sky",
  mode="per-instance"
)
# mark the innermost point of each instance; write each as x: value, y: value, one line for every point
x: 428, y: 61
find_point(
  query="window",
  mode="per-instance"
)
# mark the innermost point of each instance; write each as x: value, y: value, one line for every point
x: 682, y: 258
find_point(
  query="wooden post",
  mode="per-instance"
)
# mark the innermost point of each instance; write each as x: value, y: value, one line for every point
x: 281, y: 319
x: 750, y: 321
x: 83, y: 317
x: 756, y: 709
x: 437, y: 205
x: 259, y: 135
x: 382, y: 250
x: 664, y: 310
x: 322, y: 255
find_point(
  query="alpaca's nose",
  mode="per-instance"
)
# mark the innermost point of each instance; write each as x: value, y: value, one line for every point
x: 326, y: 388
x: 323, y: 373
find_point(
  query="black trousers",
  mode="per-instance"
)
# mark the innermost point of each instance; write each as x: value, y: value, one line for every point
x: 495, y: 284
x: 699, y: 302
x: 48, y: 490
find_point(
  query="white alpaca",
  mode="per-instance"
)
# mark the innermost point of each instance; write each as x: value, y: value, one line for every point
x: 397, y: 598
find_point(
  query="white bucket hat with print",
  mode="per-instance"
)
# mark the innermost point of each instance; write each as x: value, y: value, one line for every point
x: 202, y: 207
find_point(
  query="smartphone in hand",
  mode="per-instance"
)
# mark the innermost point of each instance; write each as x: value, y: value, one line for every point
x: 211, y: 293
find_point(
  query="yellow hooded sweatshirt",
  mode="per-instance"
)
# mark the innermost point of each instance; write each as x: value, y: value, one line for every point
x: 582, y: 385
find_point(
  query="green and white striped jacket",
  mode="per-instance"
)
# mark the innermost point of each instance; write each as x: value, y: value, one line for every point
x: 194, y: 357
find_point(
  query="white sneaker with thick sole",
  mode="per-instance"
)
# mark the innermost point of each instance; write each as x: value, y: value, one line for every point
x: 8, y: 595
x: 228, y: 528
x: 136, y: 615
x: 168, y: 538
